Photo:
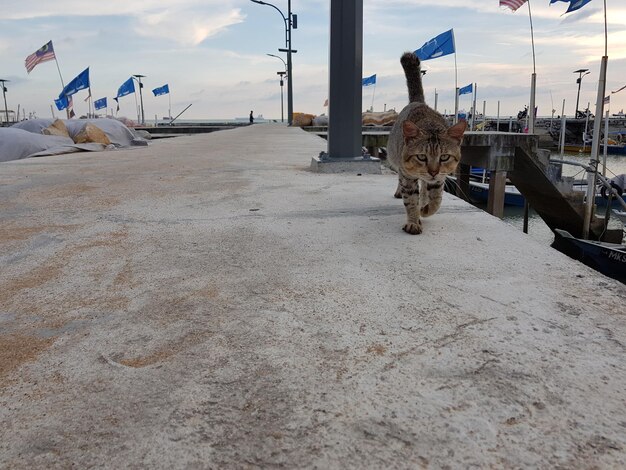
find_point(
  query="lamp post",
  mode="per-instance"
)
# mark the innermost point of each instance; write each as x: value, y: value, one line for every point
x: 282, y: 76
x: 139, y: 77
x: 581, y: 73
x: 291, y: 21
x: 4, y: 94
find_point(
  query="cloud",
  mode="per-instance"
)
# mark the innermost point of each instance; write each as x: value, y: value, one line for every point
x: 187, y: 22
x: 186, y: 27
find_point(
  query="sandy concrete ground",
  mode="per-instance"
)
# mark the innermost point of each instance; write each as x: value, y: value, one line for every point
x: 208, y: 302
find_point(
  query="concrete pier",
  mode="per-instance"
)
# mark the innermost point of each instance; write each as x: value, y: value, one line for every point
x: 209, y: 302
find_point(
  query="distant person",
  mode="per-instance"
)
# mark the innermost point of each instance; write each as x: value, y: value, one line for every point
x: 251, y: 118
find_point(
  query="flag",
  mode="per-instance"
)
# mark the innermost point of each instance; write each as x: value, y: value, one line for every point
x: 607, y: 99
x: 573, y: 4
x: 367, y: 81
x: 62, y: 103
x: 437, y: 46
x: 88, y: 96
x: 126, y: 88
x: 512, y: 4
x: 81, y: 82
x: 43, y: 54
x: 624, y: 87
x: 101, y: 103
x: 162, y: 90
x: 118, y: 103
x: 466, y: 89
x: 326, y: 102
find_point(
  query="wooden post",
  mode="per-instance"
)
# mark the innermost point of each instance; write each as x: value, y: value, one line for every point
x: 495, y: 201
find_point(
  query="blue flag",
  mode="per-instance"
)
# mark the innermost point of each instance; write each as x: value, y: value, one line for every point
x: 127, y: 88
x: 437, y: 47
x: 466, y: 89
x: 162, y: 90
x: 101, y: 103
x: 81, y: 82
x: 62, y: 103
x: 573, y: 4
x: 367, y: 81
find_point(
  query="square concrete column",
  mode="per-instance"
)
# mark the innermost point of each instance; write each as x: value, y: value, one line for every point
x: 345, y: 96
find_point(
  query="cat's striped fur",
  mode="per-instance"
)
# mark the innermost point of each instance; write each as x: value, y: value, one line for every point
x: 422, y: 149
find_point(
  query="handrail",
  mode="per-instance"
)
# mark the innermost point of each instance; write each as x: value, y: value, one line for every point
x: 602, y: 179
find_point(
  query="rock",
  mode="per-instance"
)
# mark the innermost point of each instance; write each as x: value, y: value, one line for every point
x: 56, y: 128
x: 91, y: 133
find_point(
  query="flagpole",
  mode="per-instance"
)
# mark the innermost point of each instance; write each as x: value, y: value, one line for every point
x: 533, y: 79
x: 67, y: 111
x: 456, y: 83
x: 597, y: 126
x: 373, y: 95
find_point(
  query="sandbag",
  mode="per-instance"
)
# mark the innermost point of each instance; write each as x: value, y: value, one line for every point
x: 302, y: 119
x: 56, y: 128
x: 18, y: 143
x: 91, y: 133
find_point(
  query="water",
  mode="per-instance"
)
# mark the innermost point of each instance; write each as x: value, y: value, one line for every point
x: 615, y: 165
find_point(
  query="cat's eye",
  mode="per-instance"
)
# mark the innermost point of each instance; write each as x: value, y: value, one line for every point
x: 421, y: 158
x: 445, y: 158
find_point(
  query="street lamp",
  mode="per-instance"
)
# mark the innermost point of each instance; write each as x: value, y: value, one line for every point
x: 139, y: 77
x: 582, y: 73
x: 4, y: 93
x: 282, y: 76
x: 291, y: 21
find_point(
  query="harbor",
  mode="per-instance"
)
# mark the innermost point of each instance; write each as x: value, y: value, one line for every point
x: 209, y: 301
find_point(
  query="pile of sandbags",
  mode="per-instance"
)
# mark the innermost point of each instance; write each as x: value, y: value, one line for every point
x: 387, y: 118
x: 40, y: 137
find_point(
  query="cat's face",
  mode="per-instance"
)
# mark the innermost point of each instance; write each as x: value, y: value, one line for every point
x: 431, y: 156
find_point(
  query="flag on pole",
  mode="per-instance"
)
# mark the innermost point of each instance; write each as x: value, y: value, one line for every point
x: 367, y: 81
x: 437, y: 46
x: 162, y: 90
x: 512, y: 4
x: 101, y: 103
x: 62, y: 103
x: 466, y: 89
x: 326, y: 102
x: 573, y: 4
x: 43, y: 54
x: 126, y: 88
x: 607, y: 99
x: 80, y: 82
x: 88, y: 96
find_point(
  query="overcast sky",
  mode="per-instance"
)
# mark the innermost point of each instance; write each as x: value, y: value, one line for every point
x: 212, y: 53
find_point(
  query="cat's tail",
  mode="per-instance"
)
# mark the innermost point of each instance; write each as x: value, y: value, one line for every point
x: 411, y: 65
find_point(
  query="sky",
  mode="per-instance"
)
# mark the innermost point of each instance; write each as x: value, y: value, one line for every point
x: 213, y: 54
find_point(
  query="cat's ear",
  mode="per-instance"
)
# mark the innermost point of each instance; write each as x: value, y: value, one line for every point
x: 410, y: 130
x: 456, y: 131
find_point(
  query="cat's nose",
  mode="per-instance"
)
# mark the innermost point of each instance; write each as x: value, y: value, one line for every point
x: 433, y: 173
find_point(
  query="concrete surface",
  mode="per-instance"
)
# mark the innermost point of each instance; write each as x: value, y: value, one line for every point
x: 209, y: 302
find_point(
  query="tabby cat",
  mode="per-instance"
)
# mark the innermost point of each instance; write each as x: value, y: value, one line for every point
x: 422, y: 149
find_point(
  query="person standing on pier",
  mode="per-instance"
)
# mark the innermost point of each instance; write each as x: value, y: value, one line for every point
x: 251, y: 118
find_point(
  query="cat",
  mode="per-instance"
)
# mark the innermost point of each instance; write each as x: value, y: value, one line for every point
x: 422, y: 149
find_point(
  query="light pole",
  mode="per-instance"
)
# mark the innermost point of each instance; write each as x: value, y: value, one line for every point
x: 139, y: 77
x: 291, y: 21
x: 581, y: 73
x: 4, y: 94
x: 282, y: 75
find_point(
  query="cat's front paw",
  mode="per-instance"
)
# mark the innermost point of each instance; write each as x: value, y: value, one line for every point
x: 413, y: 229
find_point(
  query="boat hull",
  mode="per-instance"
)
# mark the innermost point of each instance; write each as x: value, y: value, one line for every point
x: 607, y: 258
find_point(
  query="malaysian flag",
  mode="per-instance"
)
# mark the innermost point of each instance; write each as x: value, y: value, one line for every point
x: 45, y: 53
x: 512, y: 4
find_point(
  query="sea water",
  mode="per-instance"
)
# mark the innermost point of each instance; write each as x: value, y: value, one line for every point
x: 615, y: 165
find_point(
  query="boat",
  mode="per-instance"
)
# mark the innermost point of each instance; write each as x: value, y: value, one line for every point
x: 607, y: 258
x: 612, y: 149
x: 479, y: 192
